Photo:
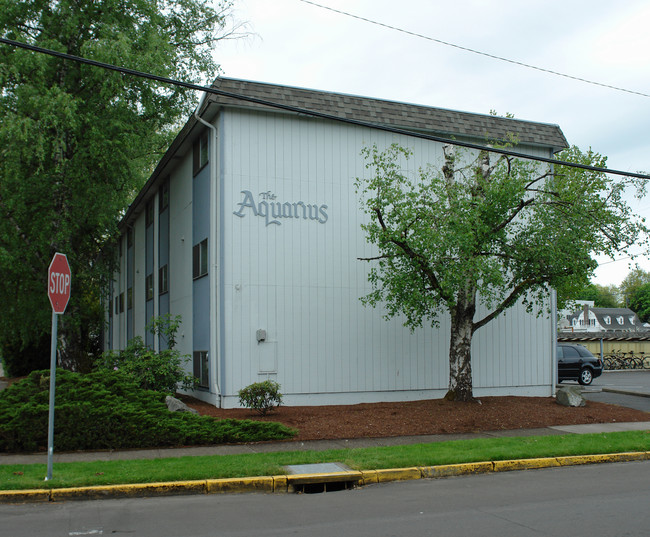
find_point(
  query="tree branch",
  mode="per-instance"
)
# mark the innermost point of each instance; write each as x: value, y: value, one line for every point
x: 508, y: 301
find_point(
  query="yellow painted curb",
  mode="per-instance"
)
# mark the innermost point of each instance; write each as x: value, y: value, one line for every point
x: 126, y: 491
x: 301, y: 479
x: 596, y: 459
x: 284, y: 483
x: 525, y: 464
x: 280, y: 483
x: 240, y: 484
x: 22, y: 496
x: 449, y: 470
x: 368, y: 477
x: 398, y: 474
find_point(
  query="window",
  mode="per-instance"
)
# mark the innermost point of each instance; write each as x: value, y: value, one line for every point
x: 570, y: 352
x: 163, y: 196
x: 200, y: 154
x: 129, y: 298
x: 149, y: 214
x: 620, y: 319
x: 149, y: 287
x: 119, y: 303
x: 163, y: 280
x: 607, y: 319
x: 201, y: 368
x: 200, y: 259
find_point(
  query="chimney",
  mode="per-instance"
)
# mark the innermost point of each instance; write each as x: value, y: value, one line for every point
x: 586, y: 315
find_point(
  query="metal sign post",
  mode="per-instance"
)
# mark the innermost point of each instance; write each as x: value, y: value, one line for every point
x: 50, y: 422
x: 58, y: 291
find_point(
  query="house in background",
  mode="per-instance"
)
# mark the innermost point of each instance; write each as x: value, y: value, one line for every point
x: 592, y: 319
x: 250, y: 230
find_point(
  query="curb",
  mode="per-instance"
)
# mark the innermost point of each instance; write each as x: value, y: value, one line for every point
x: 625, y: 392
x: 290, y: 483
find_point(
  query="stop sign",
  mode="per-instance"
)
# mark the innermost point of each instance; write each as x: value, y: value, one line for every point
x: 58, y: 283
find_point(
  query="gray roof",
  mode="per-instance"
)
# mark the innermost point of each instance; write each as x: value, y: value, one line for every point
x: 435, y: 121
x: 619, y: 318
x: 440, y: 121
x: 617, y: 335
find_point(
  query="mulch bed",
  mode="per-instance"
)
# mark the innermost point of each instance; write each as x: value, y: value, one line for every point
x: 425, y: 417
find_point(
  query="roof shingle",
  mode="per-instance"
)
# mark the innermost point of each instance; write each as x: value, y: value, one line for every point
x: 437, y: 121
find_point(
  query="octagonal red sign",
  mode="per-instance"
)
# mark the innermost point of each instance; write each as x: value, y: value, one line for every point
x: 58, y: 282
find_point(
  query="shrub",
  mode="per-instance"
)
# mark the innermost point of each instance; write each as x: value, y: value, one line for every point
x: 161, y: 371
x: 261, y: 396
x: 107, y: 410
x: 20, y: 359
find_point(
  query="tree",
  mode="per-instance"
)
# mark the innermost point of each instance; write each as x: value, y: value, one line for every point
x: 485, y: 230
x: 602, y: 296
x: 632, y: 282
x: 77, y: 142
x: 640, y: 302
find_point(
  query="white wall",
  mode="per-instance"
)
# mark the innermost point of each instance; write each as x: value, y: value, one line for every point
x: 301, y: 280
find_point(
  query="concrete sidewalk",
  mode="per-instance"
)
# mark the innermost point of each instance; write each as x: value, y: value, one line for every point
x: 293, y: 483
x: 315, y: 445
x: 336, y: 478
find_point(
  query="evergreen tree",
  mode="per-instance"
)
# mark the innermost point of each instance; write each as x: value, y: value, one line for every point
x: 77, y: 142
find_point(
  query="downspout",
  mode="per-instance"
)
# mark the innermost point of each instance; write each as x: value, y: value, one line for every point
x: 215, y: 327
x: 553, y: 297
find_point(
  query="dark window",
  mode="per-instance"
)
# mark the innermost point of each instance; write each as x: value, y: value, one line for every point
x: 129, y: 298
x: 163, y: 280
x: 200, y: 154
x: 117, y: 305
x: 121, y: 302
x: 582, y: 351
x: 163, y: 196
x: 149, y: 215
x: 570, y: 352
x: 201, y: 368
x: 149, y: 287
x: 200, y: 259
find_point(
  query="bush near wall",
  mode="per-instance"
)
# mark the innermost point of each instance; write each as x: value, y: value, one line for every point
x: 19, y: 360
x: 108, y: 411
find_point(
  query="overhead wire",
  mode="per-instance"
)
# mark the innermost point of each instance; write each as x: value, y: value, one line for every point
x: 313, y: 113
x: 474, y: 51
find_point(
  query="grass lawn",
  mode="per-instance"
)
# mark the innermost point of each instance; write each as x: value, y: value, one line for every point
x: 77, y: 474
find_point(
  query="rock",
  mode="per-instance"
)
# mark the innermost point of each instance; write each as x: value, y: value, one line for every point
x: 570, y: 396
x: 176, y: 405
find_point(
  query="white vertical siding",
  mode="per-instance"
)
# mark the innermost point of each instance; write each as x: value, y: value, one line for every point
x: 301, y: 280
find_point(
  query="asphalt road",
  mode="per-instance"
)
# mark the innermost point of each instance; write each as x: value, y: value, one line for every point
x: 620, y: 381
x: 595, y: 500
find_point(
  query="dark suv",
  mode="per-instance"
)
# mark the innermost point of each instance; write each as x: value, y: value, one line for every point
x: 575, y: 362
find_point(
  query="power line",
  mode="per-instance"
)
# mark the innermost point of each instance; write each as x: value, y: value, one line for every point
x: 473, y: 51
x: 313, y: 113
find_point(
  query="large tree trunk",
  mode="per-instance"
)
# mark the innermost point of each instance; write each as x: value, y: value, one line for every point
x: 460, y: 350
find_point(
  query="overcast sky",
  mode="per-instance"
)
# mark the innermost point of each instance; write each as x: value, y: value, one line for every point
x: 298, y: 44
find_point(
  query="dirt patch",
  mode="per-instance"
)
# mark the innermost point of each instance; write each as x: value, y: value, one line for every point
x: 435, y: 416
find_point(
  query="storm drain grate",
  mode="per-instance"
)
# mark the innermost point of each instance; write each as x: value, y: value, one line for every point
x: 324, y: 477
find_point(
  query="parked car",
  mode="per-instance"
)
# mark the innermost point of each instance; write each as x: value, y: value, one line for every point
x: 575, y: 362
